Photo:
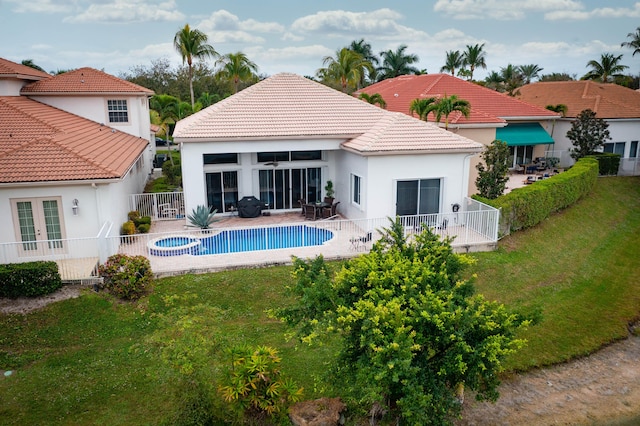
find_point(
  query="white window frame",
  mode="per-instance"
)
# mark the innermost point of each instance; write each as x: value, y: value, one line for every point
x: 114, y: 106
x: 37, y: 246
x: 355, y: 195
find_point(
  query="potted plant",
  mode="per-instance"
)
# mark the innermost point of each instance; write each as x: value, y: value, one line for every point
x: 328, y: 192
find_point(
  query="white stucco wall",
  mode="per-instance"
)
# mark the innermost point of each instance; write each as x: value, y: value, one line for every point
x: 95, y: 108
x: 11, y: 87
x: 194, y: 170
x: 619, y: 130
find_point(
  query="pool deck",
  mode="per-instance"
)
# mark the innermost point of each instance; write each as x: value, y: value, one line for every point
x: 341, y: 246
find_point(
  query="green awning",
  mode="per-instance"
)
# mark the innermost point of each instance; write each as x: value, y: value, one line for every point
x: 523, y: 134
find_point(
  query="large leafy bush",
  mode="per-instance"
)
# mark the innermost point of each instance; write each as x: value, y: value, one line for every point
x: 125, y: 276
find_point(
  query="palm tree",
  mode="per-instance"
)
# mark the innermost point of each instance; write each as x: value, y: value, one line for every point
x: 365, y: 50
x: 494, y: 81
x: 236, y: 67
x: 192, y: 44
x: 561, y: 108
x: 634, y: 43
x: 167, y: 108
x: 529, y: 72
x: 376, y: 98
x: 345, y: 69
x: 454, y: 61
x: 448, y: 104
x: 609, y: 66
x: 207, y: 99
x: 422, y: 107
x: 29, y: 63
x: 474, y: 57
x: 512, y: 79
x: 396, y: 63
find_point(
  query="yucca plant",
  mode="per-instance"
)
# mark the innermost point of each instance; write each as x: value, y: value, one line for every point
x: 201, y: 217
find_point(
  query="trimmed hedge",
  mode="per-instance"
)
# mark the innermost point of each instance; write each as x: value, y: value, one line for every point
x: 530, y: 205
x: 29, y: 279
x: 609, y: 163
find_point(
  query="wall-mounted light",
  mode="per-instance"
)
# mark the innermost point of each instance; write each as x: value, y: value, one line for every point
x: 74, y: 206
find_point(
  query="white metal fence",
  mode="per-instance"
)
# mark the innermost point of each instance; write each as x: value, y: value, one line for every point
x: 474, y: 228
x: 159, y: 205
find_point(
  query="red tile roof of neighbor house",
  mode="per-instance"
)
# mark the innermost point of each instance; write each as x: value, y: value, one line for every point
x: 606, y: 100
x: 488, y: 107
x: 23, y: 72
x: 84, y: 81
x: 41, y: 143
x: 290, y: 106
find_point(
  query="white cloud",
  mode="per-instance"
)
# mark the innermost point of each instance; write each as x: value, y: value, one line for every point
x: 225, y: 27
x: 501, y: 9
x: 39, y: 6
x: 603, y: 12
x: 121, y: 11
x: 379, y: 23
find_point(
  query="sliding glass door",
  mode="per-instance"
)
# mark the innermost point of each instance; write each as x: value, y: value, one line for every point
x: 222, y: 191
x: 283, y: 188
x: 420, y: 196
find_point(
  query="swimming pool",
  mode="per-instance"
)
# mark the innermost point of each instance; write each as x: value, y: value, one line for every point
x: 241, y: 240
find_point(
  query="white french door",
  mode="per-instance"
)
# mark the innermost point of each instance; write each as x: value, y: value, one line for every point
x: 38, y: 223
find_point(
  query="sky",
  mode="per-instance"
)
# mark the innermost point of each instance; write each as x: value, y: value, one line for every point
x: 294, y: 36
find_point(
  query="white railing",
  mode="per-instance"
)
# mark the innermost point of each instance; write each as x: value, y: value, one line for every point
x: 475, y: 228
x: 158, y: 205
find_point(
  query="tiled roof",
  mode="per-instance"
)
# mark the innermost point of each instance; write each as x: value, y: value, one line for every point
x: 11, y: 69
x: 42, y: 143
x: 487, y: 106
x: 290, y: 106
x: 84, y: 81
x: 606, y: 100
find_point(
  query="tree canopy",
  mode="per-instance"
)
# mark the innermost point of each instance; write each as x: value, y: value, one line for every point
x: 493, y: 174
x: 587, y: 134
x: 412, y: 332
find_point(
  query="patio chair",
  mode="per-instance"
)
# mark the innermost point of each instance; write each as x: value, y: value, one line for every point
x: 330, y: 211
x: 309, y: 211
x: 302, y: 202
x: 361, y: 241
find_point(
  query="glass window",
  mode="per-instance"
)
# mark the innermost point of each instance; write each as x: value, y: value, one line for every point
x: 615, y: 147
x: 229, y: 158
x: 356, y: 189
x: 306, y: 155
x: 222, y: 191
x: 633, y: 150
x: 418, y: 197
x: 117, y: 109
x: 265, y: 157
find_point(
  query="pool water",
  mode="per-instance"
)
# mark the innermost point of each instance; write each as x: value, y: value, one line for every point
x: 241, y: 240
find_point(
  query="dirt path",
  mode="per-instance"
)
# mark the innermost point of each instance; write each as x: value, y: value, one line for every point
x: 600, y: 389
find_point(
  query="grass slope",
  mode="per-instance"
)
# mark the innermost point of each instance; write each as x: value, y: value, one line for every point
x: 89, y: 361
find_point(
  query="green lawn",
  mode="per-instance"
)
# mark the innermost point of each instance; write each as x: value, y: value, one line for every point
x: 91, y: 360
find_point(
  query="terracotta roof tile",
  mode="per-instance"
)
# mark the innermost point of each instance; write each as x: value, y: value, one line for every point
x: 487, y: 106
x: 11, y: 69
x: 42, y: 143
x: 606, y: 100
x: 288, y: 105
x: 84, y: 81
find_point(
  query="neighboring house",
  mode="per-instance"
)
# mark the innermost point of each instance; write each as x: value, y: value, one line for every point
x: 283, y: 138
x: 617, y: 105
x: 523, y: 126
x: 73, y: 147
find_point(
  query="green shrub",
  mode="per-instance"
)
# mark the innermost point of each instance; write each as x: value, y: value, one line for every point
x: 528, y: 206
x: 126, y: 277
x: 608, y: 163
x: 133, y: 215
x: 143, y: 220
x: 173, y: 172
x: 143, y: 228
x: 29, y: 279
x: 256, y: 386
x: 128, y: 228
